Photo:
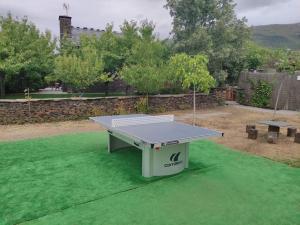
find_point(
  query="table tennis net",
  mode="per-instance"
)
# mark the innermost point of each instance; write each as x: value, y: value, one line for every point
x: 121, y: 122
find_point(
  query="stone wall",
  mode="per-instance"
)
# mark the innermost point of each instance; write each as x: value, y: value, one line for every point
x: 47, y: 110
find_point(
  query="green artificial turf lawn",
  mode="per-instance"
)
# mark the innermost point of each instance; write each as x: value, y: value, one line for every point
x: 71, y: 179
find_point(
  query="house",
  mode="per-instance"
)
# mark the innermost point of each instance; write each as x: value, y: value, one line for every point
x: 66, y: 29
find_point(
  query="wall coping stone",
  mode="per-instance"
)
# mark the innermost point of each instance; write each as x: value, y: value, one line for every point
x: 94, y: 98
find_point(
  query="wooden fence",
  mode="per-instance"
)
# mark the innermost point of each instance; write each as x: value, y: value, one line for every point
x: 289, y: 94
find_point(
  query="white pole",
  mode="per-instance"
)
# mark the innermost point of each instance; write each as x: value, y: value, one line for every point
x: 194, y: 116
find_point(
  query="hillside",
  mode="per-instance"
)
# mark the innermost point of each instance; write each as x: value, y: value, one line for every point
x: 278, y: 35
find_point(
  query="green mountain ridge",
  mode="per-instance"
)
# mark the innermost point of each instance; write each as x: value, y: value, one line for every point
x: 277, y: 35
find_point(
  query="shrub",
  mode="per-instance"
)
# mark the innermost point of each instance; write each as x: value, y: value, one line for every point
x: 262, y: 94
x: 241, y: 96
x: 142, y: 105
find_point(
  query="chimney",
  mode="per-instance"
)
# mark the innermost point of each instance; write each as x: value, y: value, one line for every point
x: 65, y: 26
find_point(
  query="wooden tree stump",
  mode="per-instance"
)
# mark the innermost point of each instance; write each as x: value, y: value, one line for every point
x: 274, y: 129
x: 297, y: 138
x: 272, y: 137
x: 252, y: 134
x: 291, y: 131
x: 249, y: 127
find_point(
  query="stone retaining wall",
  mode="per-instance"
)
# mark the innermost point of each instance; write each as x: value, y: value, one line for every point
x: 47, y: 110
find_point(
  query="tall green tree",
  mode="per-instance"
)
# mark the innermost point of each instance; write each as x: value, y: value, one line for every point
x: 210, y: 27
x: 109, y: 49
x: 144, y: 66
x: 130, y: 35
x: 26, y: 55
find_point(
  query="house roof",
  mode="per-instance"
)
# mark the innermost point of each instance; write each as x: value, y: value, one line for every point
x: 77, y: 31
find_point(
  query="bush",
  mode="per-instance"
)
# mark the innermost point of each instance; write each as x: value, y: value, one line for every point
x: 241, y: 96
x: 262, y: 94
x: 142, y: 105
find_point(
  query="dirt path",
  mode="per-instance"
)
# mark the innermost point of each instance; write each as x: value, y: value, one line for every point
x: 28, y: 131
x: 230, y: 119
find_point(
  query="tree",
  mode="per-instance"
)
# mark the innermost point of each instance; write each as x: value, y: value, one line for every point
x: 79, y: 71
x: 130, y: 35
x: 256, y: 56
x: 144, y: 66
x: 211, y: 28
x: 26, y: 55
x: 192, y: 72
x: 109, y: 49
x: 144, y: 78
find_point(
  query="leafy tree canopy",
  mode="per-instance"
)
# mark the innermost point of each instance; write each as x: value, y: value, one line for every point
x: 144, y: 67
x: 191, y: 71
x: 137, y: 55
x: 285, y: 60
x: 256, y: 56
x: 282, y: 60
x: 26, y: 55
x: 210, y: 27
x: 79, y: 71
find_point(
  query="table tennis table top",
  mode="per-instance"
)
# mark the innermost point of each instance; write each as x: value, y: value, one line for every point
x: 156, y: 132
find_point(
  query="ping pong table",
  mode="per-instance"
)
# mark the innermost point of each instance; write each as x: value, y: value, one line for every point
x: 164, y: 142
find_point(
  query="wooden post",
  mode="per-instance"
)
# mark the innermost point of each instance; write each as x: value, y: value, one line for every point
x: 291, y: 131
x: 277, y: 99
x: 253, y: 134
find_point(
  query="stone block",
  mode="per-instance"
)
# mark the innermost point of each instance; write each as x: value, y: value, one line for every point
x: 252, y: 134
x: 291, y: 131
x: 274, y: 129
x: 297, y: 138
x: 272, y: 137
x: 249, y: 127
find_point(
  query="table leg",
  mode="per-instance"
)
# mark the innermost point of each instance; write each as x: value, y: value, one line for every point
x: 115, y: 143
x: 147, y: 162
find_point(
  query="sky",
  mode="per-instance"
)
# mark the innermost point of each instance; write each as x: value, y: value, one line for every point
x: 97, y: 13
